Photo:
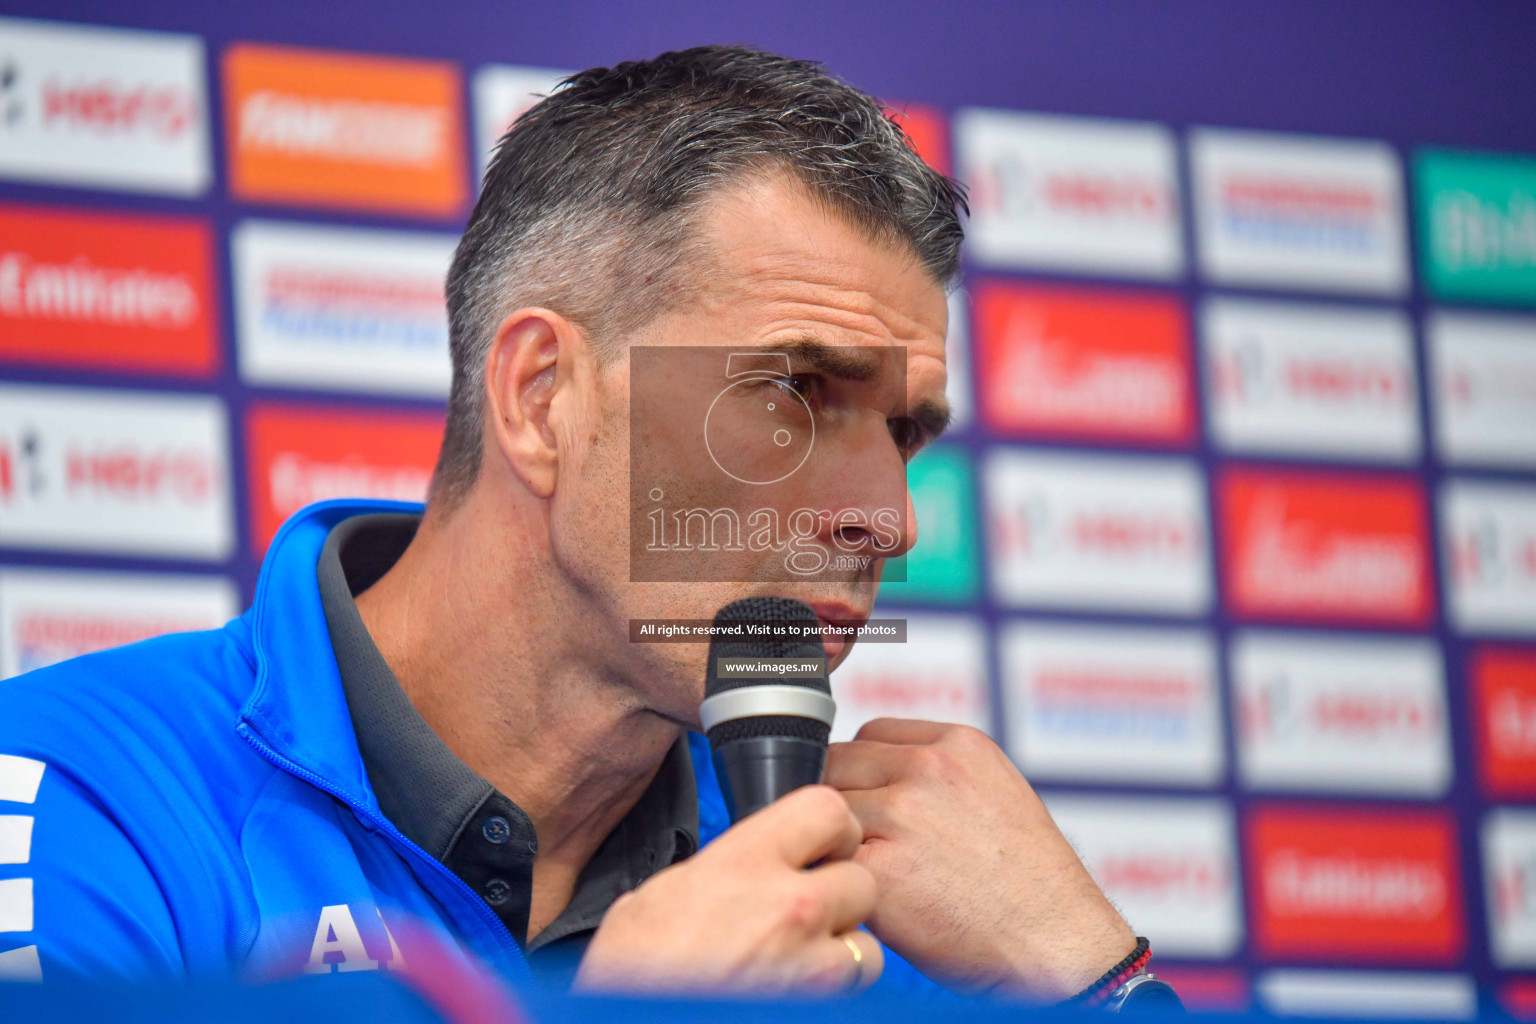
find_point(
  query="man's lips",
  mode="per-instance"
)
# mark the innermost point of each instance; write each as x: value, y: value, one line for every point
x: 842, y: 616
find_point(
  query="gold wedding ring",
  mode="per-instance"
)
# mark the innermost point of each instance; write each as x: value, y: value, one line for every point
x: 858, y: 961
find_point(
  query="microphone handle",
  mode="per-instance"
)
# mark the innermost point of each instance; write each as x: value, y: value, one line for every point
x: 756, y: 771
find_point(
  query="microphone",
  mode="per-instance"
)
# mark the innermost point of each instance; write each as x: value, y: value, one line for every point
x: 767, y: 707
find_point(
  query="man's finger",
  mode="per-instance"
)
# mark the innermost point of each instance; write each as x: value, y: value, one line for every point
x: 903, y: 730
x: 847, y: 890
x: 872, y: 808
x: 862, y: 764
x: 812, y: 823
x: 856, y: 958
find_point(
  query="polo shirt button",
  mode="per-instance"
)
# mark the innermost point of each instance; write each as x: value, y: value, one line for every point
x: 496, y: 830
x: 497, y: 892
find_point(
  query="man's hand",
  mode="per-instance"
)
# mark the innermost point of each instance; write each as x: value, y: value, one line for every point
x: 747, y: 913
x: 978, y: 887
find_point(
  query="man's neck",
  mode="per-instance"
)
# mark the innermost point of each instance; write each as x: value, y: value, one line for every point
x: 481, y: 638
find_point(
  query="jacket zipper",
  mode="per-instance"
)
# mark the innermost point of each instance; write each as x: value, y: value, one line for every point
x: 498, y: 928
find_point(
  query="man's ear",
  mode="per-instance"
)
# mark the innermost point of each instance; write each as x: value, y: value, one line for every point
x: 535, y: 353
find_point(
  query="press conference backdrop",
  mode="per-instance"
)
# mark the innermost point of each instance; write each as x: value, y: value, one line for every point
x: 1233, y: 546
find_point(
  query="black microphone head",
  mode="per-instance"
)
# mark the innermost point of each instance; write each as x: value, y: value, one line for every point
x: 772, y: 641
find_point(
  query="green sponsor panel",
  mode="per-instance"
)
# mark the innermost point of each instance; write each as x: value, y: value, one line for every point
x: 944, y: 567
x: 1477, y: 225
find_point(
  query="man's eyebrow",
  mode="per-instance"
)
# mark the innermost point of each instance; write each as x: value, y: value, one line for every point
x: 845, y: 362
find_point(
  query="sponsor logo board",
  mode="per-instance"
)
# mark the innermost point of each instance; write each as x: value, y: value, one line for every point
x: 114, y: 472
x: 928, y: 130
x: 345, y: 130
x: 1509, y: 875
x: 1112, y: 704
x: 50, y: 615
x: 1294, y: 211
x: 1387, y: 995
x: 939, y: 675
x: 301, y: 454
x: 1326, y: 546
x: 1169, y: 865
x: 945, y: 564
x: 342, y: 308
x: 107, y: 290
x: 957, y: 361
x: 1484, y: 378
x: 1503, y: 681
x: 503, y: 93
x: 1489, y: 539
x: 1098, y: 531
x: 1477, y: 224
x: 1354, y: 884
x: 103, y: 107
x: 1068, y: 193
x: 1310, y: 380
x: 1085, y: 364
x: 1326, y: 713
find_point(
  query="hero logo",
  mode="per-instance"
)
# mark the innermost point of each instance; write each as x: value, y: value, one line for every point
x: 1079, y: 193
x: 1098, y: 531
x: 1504, y: 691
x: 1484, y: 387
x: 48, y: 615
x: 1292, y: 211
x: 1355, y: 884
x: 1324, y: 713
x: 1311, y: 380
x: 1509, y: 865
x: 1077, y: 363
x: 300, y: 455
x: 1111, y: 704
x: 1168, y: 864
x: 1490, y: 543
x: 69, y: 479
x: 1326, y: 546
x: 939, y: 674
x: 106, y: 107
x: 345, y: 308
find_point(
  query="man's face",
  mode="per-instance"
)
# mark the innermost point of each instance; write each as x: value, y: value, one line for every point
x: 755, y: 441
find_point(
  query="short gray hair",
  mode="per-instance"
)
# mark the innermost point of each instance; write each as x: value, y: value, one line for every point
x: 586, y: 207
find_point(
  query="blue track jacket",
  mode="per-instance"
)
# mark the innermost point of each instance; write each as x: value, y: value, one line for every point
x: 195, y: 805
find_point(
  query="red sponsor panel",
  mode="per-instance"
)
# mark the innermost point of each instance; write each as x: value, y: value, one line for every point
x: 1084, y: 364
x: 1325, y: 547
x: 1212, y: 989
x: 1504, y: 697
x: 303, y: 454
x: 107, y: 290
x: 928, y: 130
x: 1355, y: 884
x: 1519, y: 998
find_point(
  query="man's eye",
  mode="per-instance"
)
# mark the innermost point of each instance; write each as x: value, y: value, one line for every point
x: 907, y: 434
x: 801, y: 385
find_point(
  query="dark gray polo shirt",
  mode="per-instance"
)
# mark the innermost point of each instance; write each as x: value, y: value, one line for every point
x: 452, y: 813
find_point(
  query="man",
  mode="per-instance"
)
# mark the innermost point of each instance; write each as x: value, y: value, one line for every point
x: 437, y: 725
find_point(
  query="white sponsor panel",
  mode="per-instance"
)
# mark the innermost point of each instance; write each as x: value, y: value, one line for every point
x: 1483, y: 371
x: 1169, y: 864
x: 115, y: 472
x: 1098, y: 531
x: 356, y: 309
x: 1301, y: 379
x: 1071, y: 193
x: 1509, y: 875
x: 50, y: 615
x: 1296, y: 211
x: 1319, y: 712
x: 939, y: 674
x: 1389, y: 995
x: 103, y: 107
x: 957, y: 360
x: 1112, y: 704
x: 1489, y: 543
x: 502, y: 93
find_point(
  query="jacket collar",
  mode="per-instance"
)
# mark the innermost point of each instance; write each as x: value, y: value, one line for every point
x: 298, y: 706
